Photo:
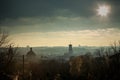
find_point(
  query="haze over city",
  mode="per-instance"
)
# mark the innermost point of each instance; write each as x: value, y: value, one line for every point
x: 59, y: 39
x: 60, y: 22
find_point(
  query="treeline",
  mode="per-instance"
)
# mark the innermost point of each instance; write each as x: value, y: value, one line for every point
x: 104, y: 66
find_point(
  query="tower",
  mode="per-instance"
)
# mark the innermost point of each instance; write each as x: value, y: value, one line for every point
x: 70, y: 49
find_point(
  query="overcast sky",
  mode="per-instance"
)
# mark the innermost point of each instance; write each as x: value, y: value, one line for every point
x: 59, y: 22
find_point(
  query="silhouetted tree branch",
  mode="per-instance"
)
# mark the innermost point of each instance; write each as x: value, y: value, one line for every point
x: 116, y: 47
x: 7, y: 52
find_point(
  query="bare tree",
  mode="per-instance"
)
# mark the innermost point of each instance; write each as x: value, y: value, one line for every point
x: 7, y: 52
x: 100, y: 52
x: 116, y: 47
x: 3, y: 38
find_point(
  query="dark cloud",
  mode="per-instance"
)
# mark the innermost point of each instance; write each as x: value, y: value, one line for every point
x: 28, y: 8
x: 13, y: 12
x: 47, y: 8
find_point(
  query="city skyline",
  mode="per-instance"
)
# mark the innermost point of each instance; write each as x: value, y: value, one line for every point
x: 57, y: 23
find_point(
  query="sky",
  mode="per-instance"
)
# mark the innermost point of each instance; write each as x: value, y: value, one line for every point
x: 60, y: 22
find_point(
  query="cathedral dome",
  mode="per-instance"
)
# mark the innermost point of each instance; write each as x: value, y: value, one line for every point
x: 30, y: 53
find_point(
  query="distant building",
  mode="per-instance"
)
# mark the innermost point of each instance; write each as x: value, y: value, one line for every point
x: 70, y: 49
x: 30, y: 53
x: 69, y: 54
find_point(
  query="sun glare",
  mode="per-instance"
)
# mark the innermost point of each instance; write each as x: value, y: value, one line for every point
x: 103, y: 10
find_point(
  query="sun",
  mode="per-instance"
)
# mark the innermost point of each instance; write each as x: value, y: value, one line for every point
x: 103, y: 10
